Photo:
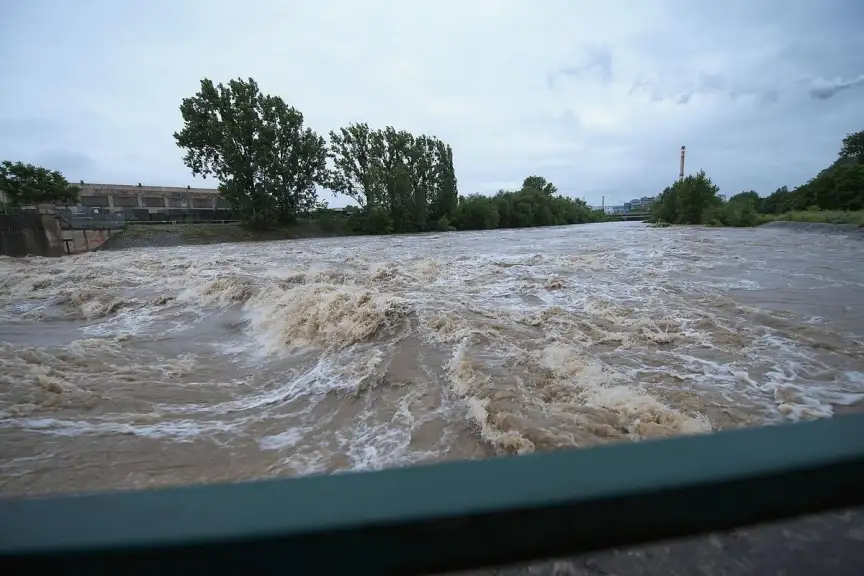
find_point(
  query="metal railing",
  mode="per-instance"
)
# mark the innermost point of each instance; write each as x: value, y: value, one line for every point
x: 101, y: 221
x: 450, y: 516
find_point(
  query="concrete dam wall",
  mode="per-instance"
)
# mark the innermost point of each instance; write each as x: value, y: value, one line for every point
x: 42, y: 233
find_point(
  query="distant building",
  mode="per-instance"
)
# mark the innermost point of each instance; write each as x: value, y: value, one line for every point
x: 153, y: 198
x: 150, y: 202
x: 722, y: 197
x: 641, y: 204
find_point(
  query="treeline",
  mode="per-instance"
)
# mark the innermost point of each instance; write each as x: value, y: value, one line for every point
x: 696, y: 200
x: 535, y: 204
x: 270, y: 167
x: 402, y: 182
x: 26, y: 184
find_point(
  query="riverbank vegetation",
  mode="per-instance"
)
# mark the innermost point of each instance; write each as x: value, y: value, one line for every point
x: 535, y: 204
x: 26, y: 184
x: 855, y: 217
x: 270, y: 168
x: 835, y: 195
x: 325, y: 224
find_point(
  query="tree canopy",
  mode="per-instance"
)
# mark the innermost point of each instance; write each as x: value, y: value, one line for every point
x: 838, y: 187
x: 402, y: 182
x: 28, y: 184
x: 267, y: 163
x: 749, y: 197
x: 686, y: 201
x: 535, y: 204
x: 539, y: 183
x: 269, y: 166
x: 853, y: 147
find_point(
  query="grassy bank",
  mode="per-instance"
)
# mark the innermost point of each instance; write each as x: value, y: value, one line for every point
x: 146, y: 235
x: 818, y: 217
x: 729, y: 217
x: 742, y: 216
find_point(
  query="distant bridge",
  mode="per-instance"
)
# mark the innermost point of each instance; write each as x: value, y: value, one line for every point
x: 632, y: 215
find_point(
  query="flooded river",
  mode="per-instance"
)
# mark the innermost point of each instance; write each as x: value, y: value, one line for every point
x: 161, y: 366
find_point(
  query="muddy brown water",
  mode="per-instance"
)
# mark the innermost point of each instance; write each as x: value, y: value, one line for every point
x: 160, y: 366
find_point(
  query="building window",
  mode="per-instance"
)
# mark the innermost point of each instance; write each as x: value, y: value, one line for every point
x: 222, y: 203
x: 153, y: 202
x: 94, y: 200
x: 202, y: 203
x: 175, y: 203
x: 125, y: 202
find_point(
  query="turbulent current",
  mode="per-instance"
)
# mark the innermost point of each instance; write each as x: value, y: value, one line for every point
x: 160, y: 366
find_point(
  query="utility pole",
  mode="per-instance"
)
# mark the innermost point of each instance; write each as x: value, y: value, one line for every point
x: 603, y: 203
x: 681, y: 171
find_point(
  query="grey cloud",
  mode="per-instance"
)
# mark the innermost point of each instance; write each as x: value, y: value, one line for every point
x: 598, y: 61
x: 767, y: 97
x: 66, y: 161
x: 704, y: 84
x: 709, y: 82
x: 824, y: 89
x: 27, y: 128
x: 601, y: 125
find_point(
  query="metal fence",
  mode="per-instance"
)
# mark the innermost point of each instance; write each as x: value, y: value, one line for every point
x: 179, y: 215
x: 91, y: 221
x: 94, y: 217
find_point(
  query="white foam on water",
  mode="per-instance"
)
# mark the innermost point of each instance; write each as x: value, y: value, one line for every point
x: 183, y: 431
x: 364, y: 353
x: 287, y: 439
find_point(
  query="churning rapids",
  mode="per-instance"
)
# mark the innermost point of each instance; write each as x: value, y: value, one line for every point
x: 163, y: 366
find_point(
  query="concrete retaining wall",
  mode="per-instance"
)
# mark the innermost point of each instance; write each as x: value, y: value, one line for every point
x: 41, y: 234
x: 77, y: 241
x: 31, y: 234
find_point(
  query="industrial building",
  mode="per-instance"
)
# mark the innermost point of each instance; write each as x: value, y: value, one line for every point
x: 151, y: 202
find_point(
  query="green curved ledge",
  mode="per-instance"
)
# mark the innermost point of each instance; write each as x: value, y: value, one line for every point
x: 449, y: 516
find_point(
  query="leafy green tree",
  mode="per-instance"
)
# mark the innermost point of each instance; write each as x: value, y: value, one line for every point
x: 749, y: 197
x: 775, y: 202
x: 739, y: 214
x: 390, y: 148
x: 840, y: 187
x: 26, y: 184
x: 355, y: 171
x: 419, y: 164
x: 267, y: 163
x: 665, y: 207
x: 687, y: 201
x: 444, y: 191
x: 529, y: 206
x: 540, y: 183
x: 476, y: 212
x: 410, y: 178
x: 503, y: 204
x: 853, y: 146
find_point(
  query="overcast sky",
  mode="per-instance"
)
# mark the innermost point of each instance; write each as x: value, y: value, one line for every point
x: 597, y: 96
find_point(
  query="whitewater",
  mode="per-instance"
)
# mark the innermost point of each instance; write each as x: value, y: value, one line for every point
x: 162, y: 366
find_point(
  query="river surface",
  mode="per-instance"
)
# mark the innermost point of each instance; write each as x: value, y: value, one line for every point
x: 161, y: 366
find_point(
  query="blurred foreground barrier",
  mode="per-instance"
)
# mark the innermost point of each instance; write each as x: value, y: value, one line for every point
x: 447, y: 516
